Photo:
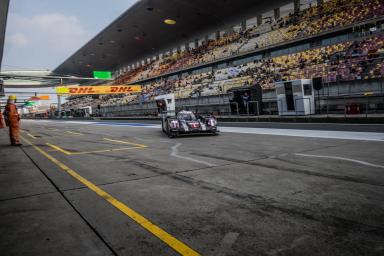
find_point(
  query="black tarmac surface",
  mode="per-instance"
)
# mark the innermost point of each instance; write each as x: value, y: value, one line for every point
x: 287, y: 125
x: 232, y: 194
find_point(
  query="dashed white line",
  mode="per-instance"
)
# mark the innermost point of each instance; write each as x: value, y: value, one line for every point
x: 175, y: 153
x: 343, y: 135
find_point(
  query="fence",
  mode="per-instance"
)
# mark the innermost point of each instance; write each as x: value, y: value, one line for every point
x: 353, y: 106
x: 343, y: 106
x: 257, y: 109
x: 366, y: 96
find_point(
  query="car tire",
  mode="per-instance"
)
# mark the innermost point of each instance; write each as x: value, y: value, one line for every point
x: 162, y: 126
x: 168, y: 132
x: 173, y: 134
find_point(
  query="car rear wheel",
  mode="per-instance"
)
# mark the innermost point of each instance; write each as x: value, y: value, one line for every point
x: 168, y: 132
x: 162, y: 127
x: 173, y: 134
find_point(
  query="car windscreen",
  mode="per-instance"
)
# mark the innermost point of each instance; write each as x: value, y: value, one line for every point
x: 186, y: 116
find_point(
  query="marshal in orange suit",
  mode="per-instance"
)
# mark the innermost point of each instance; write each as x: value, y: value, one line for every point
x: 13, y: 119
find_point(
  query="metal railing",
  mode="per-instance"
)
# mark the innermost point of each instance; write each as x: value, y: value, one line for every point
x: 257, y: 112
x: 368, y: 105
x: 355, y: 106
x: 237, y: 107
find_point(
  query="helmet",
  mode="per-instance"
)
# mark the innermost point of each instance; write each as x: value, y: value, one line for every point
x: 12, y: 97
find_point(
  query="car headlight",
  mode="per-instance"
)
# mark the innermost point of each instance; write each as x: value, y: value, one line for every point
x: 212, y: 122
x: 174, y: 124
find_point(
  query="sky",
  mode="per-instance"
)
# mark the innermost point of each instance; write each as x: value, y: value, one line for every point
x: 41, y: 34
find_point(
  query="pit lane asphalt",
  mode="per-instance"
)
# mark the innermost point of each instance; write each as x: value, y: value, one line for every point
x: 279, y: 125
x: 233, y: 194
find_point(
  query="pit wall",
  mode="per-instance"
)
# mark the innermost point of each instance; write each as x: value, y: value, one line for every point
x: 333, y: 98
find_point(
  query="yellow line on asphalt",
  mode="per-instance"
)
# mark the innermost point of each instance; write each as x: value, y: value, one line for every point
x: 30, y: 135
x: 167, y: 238
x: 126, y: 142
x: 59, y: 149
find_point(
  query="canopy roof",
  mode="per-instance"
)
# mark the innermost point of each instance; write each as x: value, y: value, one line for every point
x: 4, y: 4
x: 141, y: 32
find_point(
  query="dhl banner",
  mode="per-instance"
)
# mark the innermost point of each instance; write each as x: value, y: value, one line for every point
x: 85, y: 90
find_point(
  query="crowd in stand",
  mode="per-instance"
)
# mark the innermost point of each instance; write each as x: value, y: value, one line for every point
x: 346, y: 61
x: 315, y: 20
x: 350, y: 60
x: 311, y: 21
x: 81, y: 102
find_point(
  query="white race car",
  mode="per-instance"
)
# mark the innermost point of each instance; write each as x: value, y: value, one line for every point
x: 186, y: 122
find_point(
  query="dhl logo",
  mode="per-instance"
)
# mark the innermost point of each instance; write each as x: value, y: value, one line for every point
x: 81, y: 90
x: 84, y: 90
x: 122, y: 89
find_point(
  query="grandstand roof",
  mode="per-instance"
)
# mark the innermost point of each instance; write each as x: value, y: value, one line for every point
x: 140, y: 31
x: 3, y: 24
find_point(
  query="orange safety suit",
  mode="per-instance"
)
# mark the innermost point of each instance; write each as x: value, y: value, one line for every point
x: 13, y: 119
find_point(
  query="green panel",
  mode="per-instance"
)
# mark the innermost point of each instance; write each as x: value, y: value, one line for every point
x: 29, y: 103
x: 102, y: 74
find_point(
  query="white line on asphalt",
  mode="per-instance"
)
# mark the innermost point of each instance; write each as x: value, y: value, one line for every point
x: 175, y: 152
x: 223, y: 122
x: 286, y: 123
x: 226, y: 244
x: 344, y: 159
x: 343, y: 135
x: 368, y: 136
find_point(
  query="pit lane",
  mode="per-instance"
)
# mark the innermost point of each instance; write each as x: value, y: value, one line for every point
x: 233, y: 194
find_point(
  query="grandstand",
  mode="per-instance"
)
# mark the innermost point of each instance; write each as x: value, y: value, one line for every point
x: 340, y: 41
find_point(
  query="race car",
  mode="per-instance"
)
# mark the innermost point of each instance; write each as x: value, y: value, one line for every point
x: 186, y: 122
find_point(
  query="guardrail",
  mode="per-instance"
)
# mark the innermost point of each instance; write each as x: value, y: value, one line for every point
x: 237, y: 107
x: 369, y: 104
x: 257, y: 107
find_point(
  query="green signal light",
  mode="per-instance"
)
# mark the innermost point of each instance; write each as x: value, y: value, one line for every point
x: 102, y: 74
